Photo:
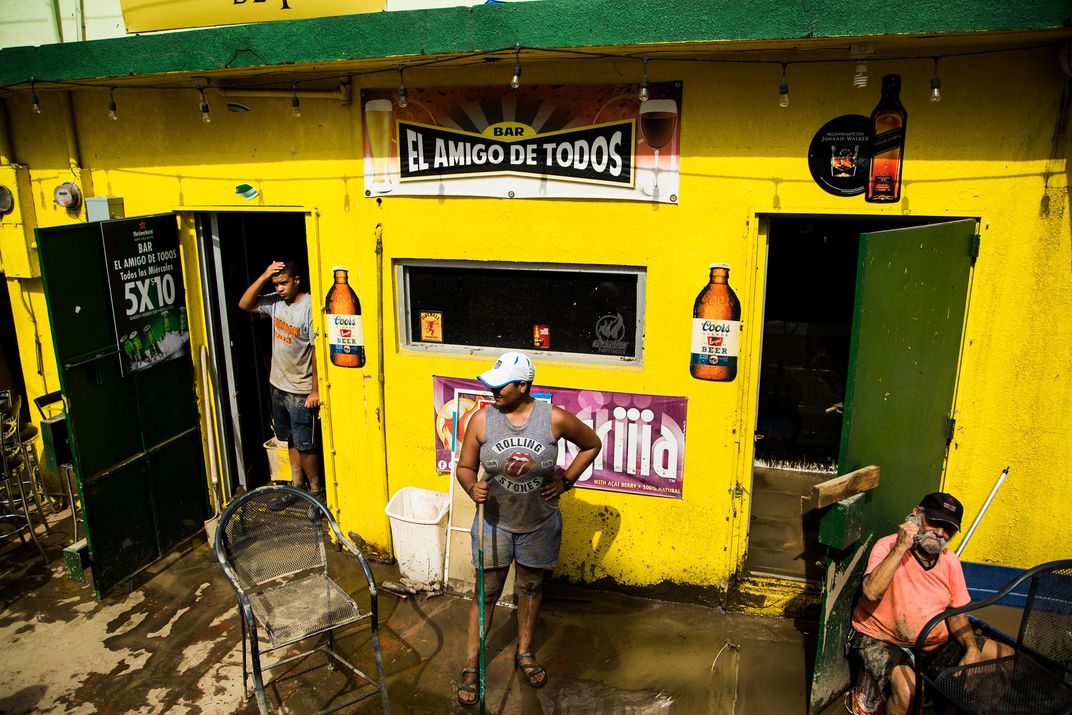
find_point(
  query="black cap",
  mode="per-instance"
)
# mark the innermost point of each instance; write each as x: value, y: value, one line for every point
x: 944, y: 508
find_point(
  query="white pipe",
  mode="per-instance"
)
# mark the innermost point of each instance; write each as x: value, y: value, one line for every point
x: 979, y: 517
x: 210, y: 430
x: 340, y: 93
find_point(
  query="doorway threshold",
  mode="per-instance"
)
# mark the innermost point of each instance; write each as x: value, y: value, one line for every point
x: 776, y: 596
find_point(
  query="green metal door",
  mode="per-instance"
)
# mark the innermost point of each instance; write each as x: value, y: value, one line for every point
x: 911, y: 293
x: 135, y: 438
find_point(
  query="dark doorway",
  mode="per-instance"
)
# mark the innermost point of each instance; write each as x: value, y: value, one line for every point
x: 807, y: 332
x: 10, y: 365
x: 236, y: 248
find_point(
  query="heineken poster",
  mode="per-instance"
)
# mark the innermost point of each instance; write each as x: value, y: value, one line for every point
x: 562, y: 141
x: 148, y: 299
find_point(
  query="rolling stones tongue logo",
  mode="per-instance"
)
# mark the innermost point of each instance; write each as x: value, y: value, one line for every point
x: 518, y: 464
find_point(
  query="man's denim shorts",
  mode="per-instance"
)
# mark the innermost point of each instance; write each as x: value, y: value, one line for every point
x: 535, y: 549
x: 293, y: 421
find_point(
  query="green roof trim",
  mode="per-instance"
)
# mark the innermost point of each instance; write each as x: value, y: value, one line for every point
x: 545, y: 23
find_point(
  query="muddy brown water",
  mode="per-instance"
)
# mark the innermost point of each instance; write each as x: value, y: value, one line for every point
x: 172, y: 645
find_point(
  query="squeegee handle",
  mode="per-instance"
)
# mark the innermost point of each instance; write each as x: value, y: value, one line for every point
x: 979, y: 516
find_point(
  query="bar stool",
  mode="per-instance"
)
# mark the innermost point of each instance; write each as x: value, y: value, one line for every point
x: 17, y: 477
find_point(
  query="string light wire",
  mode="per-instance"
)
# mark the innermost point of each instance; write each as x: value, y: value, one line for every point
x: 515, y: 82
x: 469, y: 58
x: 295, y: 103
x: 403, y: 100
x: 205, y: 116
x: 783, y: 88
x: 643, y: 96
x: 936, y: 84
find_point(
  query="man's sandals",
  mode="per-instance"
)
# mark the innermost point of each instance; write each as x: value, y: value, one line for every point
x: 534, y: 673
x: 468, y: 687
x: 531, y: 669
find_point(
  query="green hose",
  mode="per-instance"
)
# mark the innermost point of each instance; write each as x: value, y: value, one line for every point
x: 480, y: 588
x: 479, y: 576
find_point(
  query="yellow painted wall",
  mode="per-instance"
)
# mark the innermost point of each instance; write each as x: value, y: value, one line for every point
x: 984, y: 151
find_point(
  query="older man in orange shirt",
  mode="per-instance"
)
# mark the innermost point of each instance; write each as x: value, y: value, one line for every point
x: 911, y: 577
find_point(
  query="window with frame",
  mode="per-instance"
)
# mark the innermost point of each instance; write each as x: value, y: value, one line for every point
x: 591, y: 311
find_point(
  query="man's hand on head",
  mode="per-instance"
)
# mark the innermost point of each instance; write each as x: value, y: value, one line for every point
x: 273, y: 268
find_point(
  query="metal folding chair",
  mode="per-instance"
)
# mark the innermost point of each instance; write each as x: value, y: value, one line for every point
x: 1037, y: 678
x: 270, y: 543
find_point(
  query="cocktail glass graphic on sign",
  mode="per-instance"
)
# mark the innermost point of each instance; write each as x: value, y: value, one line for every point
x: 843, y: 160
x: 378, y: 123
x: 658, y: 120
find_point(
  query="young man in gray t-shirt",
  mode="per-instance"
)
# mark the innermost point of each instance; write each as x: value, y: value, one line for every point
x: 294, y: 392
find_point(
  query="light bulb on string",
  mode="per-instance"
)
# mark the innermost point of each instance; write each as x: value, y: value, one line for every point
x: 783, y: 88
x: 34, y: 100
x: 403, y: 100
x: 111, y: 104
x: 859, y: 80
x: 516, y: 81
x: 936, y: 84
x: 205, y: 117
x: 643, y: 96
x: 295, y: 103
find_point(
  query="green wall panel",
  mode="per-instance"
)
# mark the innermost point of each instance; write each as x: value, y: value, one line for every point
x: 547, y: 23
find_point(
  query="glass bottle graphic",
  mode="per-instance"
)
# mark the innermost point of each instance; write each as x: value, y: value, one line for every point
x: 716, y: 328
x: 888, y: 123
x: 345, y: 335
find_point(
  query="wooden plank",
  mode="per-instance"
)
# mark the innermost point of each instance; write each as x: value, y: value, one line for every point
x: 845, y: 486
x: 841, y: 525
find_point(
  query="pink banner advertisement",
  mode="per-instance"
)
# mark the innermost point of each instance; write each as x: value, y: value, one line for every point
x: 573, y: 141
x: 643, y: 435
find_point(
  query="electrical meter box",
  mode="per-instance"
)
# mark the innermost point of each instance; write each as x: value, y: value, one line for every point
x: 104, y: 208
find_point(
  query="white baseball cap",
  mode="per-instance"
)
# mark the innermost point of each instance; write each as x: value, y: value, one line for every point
x: 510, y: 367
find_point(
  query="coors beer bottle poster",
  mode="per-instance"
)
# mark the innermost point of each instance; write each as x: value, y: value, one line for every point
x: 716, y: 328
x: 346, y: 337
x: 148, y: 298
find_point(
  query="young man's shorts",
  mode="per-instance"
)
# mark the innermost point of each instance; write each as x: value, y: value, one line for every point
x: 537, y: 549
x: 294, y: 423
x: 879, y: 657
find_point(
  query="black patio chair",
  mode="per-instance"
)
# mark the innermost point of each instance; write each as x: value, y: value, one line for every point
x: 270, y: 543
x: 1037, y: 678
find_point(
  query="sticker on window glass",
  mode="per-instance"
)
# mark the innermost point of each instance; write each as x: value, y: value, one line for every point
x: 541, y: 337
x: 610, y: 335
x: 432, y: 326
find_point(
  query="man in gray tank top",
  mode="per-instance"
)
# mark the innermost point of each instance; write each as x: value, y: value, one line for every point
x: 516, y: 442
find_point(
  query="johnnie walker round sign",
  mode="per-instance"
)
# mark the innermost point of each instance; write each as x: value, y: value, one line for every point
x: 840, y: 155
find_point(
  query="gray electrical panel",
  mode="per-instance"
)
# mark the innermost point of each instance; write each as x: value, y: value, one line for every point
x: 104, y: 208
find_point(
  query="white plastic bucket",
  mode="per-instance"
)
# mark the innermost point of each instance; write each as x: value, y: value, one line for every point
x: 419, y: 529
x: 278, y: 460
